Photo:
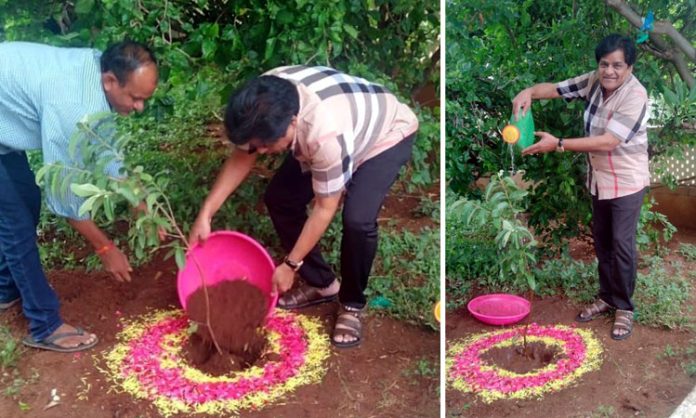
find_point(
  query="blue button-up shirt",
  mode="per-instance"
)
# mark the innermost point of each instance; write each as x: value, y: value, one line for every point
x: 44, y: 92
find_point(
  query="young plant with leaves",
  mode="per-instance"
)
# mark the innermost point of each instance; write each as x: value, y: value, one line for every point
x: 494, y: 223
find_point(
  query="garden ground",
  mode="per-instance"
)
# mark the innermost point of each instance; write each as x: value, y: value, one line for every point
x: 395, y: 372
x: 642, y: 376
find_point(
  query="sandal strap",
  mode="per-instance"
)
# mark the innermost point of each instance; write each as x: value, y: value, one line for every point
x: 623, y: 320
x: 52, y: 338
x: 597, y: 307
x: 300, y: 295
x: 348, y: 323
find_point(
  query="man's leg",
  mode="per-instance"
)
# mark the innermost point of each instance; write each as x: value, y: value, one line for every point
x: 625, y: 213
x: 602, y: 235
x: 363, y: 201
x: 22, y: 275
x: 364, y: 197
x: 20, y: 205
x: 286, y: 198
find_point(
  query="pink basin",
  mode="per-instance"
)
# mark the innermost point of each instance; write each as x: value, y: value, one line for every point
x: 227, y: 255
x: 499, y: 308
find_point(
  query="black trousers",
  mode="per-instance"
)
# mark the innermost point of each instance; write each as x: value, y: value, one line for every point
x: 289, y: 193
x: 614, y: 223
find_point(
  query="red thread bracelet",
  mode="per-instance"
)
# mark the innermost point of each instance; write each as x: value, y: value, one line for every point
x: 104, y: 249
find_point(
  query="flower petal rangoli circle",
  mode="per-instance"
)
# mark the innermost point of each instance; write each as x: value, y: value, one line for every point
x: 147, y: 363
x: 466, y: 370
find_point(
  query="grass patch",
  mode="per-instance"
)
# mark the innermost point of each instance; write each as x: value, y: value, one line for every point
x: 575, y: 279
x: 12, y: 383
x: 661, y: 299
x: 688, y: 251
x: 406, y: 279
x: 10, y: 349
x: 685, y: 355
x: 423, y: 368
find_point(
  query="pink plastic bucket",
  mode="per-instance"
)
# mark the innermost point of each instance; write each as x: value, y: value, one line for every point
x: 499, y: 308
x: 227, y: 255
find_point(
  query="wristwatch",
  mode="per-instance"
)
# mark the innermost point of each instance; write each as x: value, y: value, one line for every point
x: 294, y: 265
x: 559, y: 147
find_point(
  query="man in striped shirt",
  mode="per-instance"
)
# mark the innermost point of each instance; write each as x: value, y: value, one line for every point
x: 616, y: 143
x: 346, y: 138
x: 44, y: 92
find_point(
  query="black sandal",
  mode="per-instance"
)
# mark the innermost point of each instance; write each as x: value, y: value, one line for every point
x: 593, y: 311
x: 348, y: 324
x: 623, y: 321
x: 302, y: 297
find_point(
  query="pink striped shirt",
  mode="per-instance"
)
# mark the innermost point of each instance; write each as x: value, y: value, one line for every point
x: 343, y: 121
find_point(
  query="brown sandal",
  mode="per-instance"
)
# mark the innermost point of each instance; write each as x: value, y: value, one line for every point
x: 302, y: 297
x: 592, y: 311
x: 623, y: 321
x: 348, y: 324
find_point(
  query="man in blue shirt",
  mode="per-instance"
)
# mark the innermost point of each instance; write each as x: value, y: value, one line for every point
x: 44, y: 92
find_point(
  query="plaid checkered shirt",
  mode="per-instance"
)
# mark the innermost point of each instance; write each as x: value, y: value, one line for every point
x: 343, y: 121
x: 624, y: 170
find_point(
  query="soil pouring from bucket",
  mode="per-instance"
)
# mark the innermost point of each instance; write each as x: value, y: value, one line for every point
x: 237, y: 315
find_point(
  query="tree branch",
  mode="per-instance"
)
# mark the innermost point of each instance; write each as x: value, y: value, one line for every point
x: 666, y: 28
x: 667, y: 52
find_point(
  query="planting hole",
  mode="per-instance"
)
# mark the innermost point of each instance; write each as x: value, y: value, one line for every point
x: 521, y: 359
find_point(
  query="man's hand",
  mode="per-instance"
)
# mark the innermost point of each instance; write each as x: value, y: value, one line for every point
x: 200, y: 231
x: 523, y: 101
x: 283, y: 278
x: 116, y: 263
x: 547, y: 143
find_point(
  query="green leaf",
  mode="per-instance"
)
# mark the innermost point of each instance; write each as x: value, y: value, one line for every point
x: 180, y: 257
x: 128, y: 195
x: 109, y: 208
x: 85, y: 190
x: 351, y: 31
x: 150, y: 201
x: 285, y: 17
x: 209, y: 48
x: 41, y: 173
x: 87, y: 205
x: 670, y: 97
x: 83, y: 7
x: 270, y: 48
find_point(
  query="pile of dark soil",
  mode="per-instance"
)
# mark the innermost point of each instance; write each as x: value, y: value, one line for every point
x: 237, y: 313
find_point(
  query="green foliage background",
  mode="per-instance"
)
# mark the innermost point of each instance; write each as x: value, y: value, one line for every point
x: 205, y: 49
x: 493, y: 51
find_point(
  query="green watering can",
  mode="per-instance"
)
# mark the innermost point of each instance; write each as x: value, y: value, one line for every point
x: 520, y: 132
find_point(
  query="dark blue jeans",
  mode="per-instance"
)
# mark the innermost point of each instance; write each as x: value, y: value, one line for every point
x: 21, y: 274
x: 289, y: 193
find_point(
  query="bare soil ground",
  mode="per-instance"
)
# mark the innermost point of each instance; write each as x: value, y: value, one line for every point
x: 380, y: 378
x: 394, y: 373
x: 637, y: 377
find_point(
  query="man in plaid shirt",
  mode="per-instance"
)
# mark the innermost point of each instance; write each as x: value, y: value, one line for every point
x: 346, y: 140
x: 616, y: 143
